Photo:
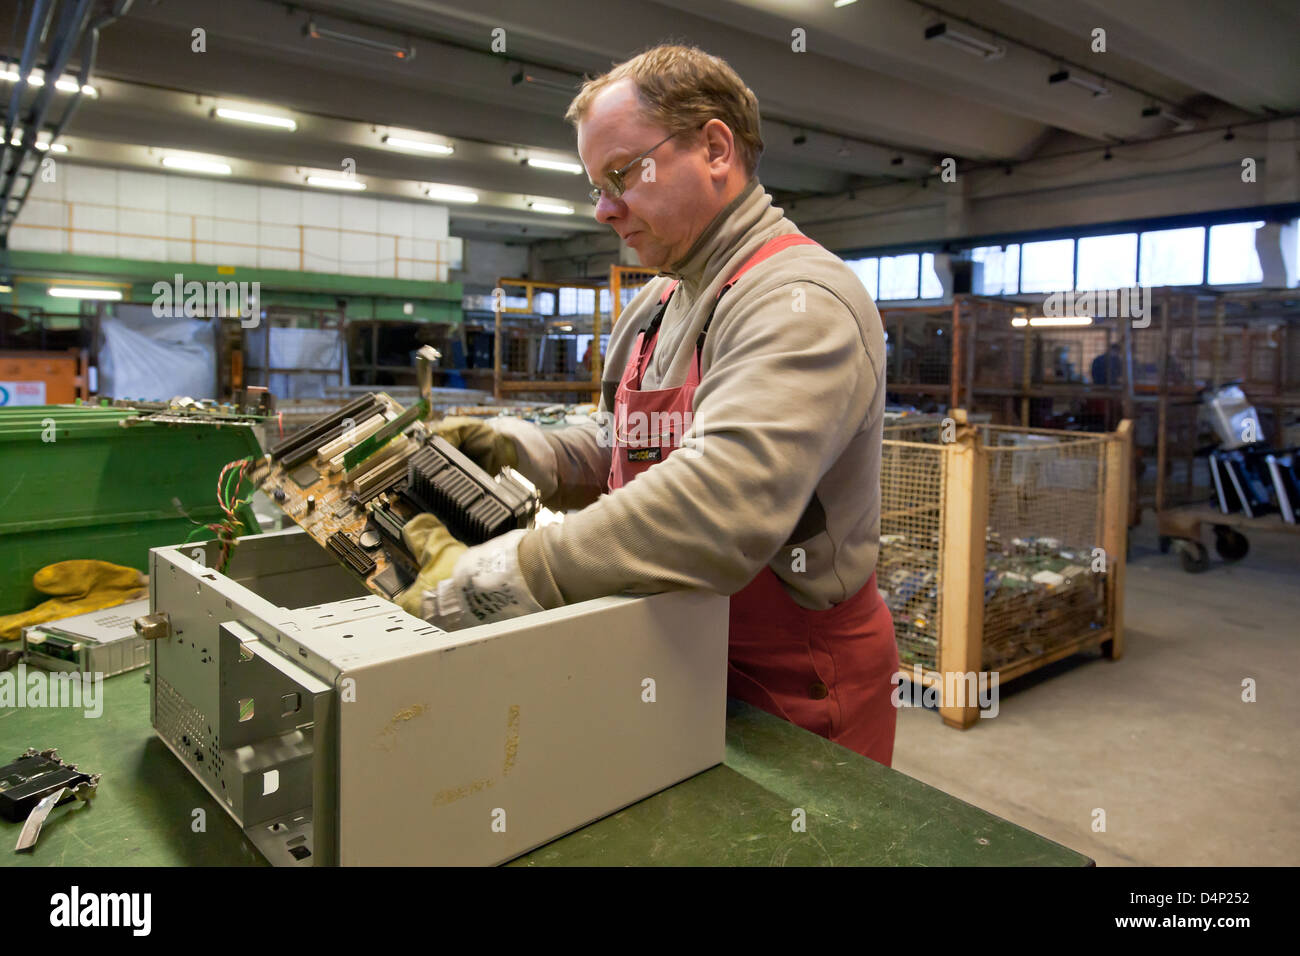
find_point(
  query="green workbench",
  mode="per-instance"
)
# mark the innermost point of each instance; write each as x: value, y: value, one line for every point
x: 738, y: 814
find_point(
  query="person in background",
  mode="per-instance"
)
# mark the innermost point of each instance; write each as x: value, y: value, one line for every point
x: 1106, y: 367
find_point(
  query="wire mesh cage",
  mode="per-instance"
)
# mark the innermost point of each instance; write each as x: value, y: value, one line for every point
x: 1044, y: 563
x: 908, y: 570
x: 1001, y: 548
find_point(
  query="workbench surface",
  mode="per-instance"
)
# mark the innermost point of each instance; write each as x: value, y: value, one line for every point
x: 737, y: 814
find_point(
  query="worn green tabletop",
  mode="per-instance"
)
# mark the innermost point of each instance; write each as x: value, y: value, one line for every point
x: 741, y: 813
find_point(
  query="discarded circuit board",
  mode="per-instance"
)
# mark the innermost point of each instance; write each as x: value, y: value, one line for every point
x: 353, y: 479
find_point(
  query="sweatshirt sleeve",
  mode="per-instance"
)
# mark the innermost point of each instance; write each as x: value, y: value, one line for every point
x: 581, y: 454
x: 783, y: 393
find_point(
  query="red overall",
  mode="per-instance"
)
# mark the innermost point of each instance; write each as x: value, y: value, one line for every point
x: 827, y: 671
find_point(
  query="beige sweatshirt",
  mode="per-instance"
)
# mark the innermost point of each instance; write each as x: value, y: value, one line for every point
x: 786, y: 434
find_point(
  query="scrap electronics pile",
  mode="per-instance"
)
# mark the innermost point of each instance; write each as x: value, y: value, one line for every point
x: 544, y: 415
x: 1036, y: 594
x: 353, y: 479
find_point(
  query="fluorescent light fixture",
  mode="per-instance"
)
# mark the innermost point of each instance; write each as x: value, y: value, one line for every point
x: 555, y: 164
x: 1044, y: 322
x: 61, y: 292
x: 551, y: 207
x: 65, y: 84
x: 322, y: 33
x: 1181, y: 123
x: 52, y: 147
x: 6, y: 289
x: 535, y: 80
x: 196, y: 165
x: 257, y: 119
x: 843, y: 3
x: 439, y: 149
x: 964, y: 41
x: 330, y: 182
x: 1092, y: 86
x: 449, y: 193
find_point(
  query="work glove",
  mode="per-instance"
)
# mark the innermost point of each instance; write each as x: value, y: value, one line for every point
x: 78, y: 587
x: 436, y: 551
x: 503, y: 441
x: 459, y: 586
x: 483, y: 444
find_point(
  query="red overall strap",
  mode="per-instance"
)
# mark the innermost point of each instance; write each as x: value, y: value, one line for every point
x: 766, y: 251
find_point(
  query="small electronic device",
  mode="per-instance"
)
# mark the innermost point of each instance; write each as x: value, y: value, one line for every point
x: 34, y: 776
x: 100, y: 642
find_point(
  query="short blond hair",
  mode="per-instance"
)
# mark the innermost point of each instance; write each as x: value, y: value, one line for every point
x: 682, y: 88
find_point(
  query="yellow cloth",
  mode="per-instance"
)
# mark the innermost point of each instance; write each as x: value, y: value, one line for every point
x: 488, y: 448
x: 437, y: 552
x: 78, y: 587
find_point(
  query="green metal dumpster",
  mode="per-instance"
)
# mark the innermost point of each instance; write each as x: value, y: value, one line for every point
x: 86, y: 481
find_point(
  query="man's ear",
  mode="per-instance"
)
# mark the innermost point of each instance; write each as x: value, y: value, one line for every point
x: 720, y: 142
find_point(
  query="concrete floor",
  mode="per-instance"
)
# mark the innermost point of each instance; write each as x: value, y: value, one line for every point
x: 1187, y: 773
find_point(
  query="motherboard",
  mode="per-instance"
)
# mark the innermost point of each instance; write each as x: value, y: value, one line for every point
x: 353, y: 479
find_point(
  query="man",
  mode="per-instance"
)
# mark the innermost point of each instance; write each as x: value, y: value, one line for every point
x: 1106, y: 366
x: 738, y: 447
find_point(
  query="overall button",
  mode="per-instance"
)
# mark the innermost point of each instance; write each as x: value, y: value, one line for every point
x: 818, y: 691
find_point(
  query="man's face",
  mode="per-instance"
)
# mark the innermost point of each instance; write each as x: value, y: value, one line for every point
x: 659, y: 217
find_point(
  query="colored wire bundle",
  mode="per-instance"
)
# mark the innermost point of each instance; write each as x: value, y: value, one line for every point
x: 227, y: 530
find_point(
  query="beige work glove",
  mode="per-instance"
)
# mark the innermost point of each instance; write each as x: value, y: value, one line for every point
x: 487, y: 447
x: 437, y: 552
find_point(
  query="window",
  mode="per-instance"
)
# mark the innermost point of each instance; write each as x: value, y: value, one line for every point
x: 604, y: 301
x: 1107, y: 262
x: 577, y: 301
x: 867, y: 270
x: 899, y: 276
x: 931, y: 287
x: 1172, y: 257
x: 1001, y: 269
x: 544, y: 303
x: 1047, y: 266
x: 1233, y: 256
x: 1295, y: 249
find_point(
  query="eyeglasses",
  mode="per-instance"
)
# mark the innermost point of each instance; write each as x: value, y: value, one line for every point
x: 614, y: 177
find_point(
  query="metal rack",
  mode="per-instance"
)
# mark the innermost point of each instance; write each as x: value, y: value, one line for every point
x: 518, y: 346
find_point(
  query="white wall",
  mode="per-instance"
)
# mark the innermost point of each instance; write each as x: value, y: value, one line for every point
x: 95, y: 211
x: 486, y: 261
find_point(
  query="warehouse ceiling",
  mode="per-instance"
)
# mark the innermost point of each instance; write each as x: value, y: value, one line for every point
x: 868, y: 99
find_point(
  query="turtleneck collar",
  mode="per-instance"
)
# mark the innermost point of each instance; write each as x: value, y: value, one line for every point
x: 713, y: 244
